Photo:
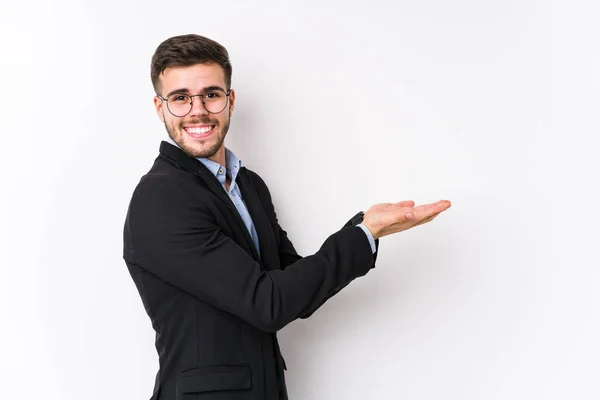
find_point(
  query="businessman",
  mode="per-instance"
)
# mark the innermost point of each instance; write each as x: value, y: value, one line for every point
x: 217, y: 274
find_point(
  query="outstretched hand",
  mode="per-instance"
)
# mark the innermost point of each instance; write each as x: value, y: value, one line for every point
x: 387, y: 218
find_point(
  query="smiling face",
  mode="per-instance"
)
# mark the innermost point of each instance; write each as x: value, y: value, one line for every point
x: 200, y: 134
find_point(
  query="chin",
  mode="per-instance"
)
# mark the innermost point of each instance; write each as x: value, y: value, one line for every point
x: 198, y: 150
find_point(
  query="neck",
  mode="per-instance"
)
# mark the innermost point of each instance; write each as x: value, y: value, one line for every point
x: 219, y: 156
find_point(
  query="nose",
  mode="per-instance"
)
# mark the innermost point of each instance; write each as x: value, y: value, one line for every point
x: 197, y: 106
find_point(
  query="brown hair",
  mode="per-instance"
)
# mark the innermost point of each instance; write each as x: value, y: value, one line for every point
x: 187, y: 50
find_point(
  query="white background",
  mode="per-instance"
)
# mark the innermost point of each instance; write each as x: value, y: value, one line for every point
x: 340, y: 105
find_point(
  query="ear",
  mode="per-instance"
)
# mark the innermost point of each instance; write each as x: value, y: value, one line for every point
x: 231, y: 101
x: 158, y: 105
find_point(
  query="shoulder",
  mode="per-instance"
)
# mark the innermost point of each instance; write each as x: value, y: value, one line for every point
x: 258, y: 182
x: 254, y: 177
x: 165, y: 181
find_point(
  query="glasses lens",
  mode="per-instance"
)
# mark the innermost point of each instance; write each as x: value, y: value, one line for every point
x: 215, y: 101
x: 179, y: 104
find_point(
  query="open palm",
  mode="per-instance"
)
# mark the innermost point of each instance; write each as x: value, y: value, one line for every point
x: 387, y: 218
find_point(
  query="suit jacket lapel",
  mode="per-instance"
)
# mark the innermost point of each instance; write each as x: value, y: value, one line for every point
x: 266, y: 238
x: 213, y: 185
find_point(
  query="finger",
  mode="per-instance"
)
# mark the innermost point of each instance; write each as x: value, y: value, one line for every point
x: 425, y: 211
x: 417, y: 214
x: 408, y: 221
x: 406, y: 203
x: 426, y: 220
x: 444, y: 204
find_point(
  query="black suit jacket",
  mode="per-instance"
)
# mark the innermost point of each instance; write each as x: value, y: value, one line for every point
x: 214, y: 303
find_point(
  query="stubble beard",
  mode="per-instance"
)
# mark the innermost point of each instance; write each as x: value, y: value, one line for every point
x: 177, y: 134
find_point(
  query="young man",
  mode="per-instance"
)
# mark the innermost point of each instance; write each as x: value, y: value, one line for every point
x: 217, y: 274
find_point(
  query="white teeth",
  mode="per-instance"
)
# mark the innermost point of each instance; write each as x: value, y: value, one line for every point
x: 199, y: 131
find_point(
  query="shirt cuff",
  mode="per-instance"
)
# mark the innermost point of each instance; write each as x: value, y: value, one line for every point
x: 369, y: 236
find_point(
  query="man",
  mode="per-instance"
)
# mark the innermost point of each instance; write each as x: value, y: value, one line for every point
x: 217, y: 274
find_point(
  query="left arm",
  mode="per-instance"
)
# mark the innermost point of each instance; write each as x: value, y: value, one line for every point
x: 287, y: 253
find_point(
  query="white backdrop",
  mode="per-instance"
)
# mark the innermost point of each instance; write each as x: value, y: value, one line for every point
x: 340, y: 105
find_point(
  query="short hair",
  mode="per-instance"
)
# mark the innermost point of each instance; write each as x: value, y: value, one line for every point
x: 187, y: 50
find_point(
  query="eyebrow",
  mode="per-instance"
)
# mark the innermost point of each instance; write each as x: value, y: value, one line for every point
x: 186, y: 91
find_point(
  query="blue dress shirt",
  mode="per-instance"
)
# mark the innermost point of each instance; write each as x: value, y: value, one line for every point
x: 233, y: 166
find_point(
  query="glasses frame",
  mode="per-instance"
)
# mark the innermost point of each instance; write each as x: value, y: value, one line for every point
x: 191, y: 96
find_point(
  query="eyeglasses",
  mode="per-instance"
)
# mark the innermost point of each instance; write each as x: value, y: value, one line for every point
x: 180, y: 104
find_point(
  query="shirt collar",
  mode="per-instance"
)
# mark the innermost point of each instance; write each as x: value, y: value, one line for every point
x: 232, y: 167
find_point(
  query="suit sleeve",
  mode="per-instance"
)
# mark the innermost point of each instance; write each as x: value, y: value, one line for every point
x: 175, y: 237
x: 287, y: 252
x: 344, y: 284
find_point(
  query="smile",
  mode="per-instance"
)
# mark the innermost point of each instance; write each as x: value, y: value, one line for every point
x: 199, y: 131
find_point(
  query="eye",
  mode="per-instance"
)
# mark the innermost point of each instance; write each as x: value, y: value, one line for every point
x: 213, y: 95
x: 179, y: 98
